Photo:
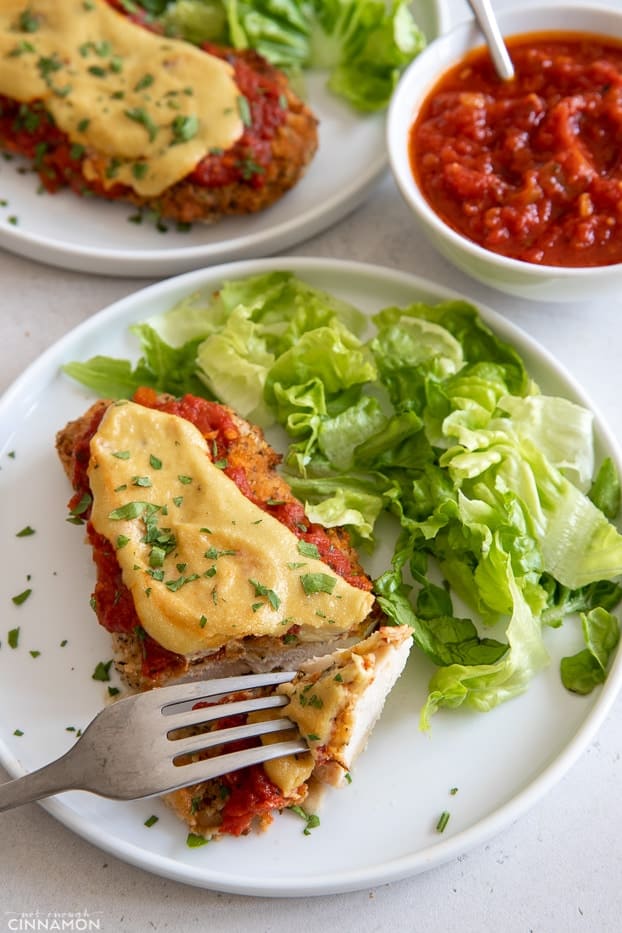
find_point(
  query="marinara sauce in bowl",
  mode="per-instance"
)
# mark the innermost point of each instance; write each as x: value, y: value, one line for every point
x: 519, y: 183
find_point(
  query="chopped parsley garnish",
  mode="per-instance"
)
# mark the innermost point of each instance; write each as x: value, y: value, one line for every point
x: 261, y: 590
x: 21, y: 597
x: 21, y: 48
x: 13, y: 637
x: 27, y: 21
x: 244, y: 109
x: 311, y: 819
x: 443, y: 820
x: 186, y: 480
x: 193, y: 840
x: 18, y: 732
x: 122, y: 454
x: 25, y: 532
x: 184, y: 128
x: 151, y: 820
x: 317, y: 583
x: 113, y: 691
x: 141, y: 481
x: 140, y: 115
x: 112, y: 168
x: 130, y: 510
x: 174, y: 585
x: 213, y: 553
x: 156, y: 556
x: 83, y: 505
x: 144, y: 82
x: 47, y: 65
x: 307, y: 549
x: 102, y: 670
x: 249, y: 168
x: 155, y: 462
x: 139, y: 170
x: 34, y: 654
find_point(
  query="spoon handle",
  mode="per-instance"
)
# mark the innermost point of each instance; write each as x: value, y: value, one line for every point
x: 489, y: 26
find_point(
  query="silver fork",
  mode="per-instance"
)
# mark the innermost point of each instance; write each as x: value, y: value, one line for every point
x: 130, y: 749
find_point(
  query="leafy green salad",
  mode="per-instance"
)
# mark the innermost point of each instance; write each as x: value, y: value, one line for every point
x: 435, y: 421
x: 363, y: 44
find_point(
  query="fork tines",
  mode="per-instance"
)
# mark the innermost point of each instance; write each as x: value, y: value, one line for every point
x: 180, y: 719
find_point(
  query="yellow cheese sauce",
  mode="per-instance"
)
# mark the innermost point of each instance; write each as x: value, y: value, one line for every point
x: 328, y: 695
x: 204, y: 564
x: 329, y: 699
x: 146, y: 108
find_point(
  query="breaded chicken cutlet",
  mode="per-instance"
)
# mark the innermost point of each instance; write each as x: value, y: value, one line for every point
x: 207, y: 565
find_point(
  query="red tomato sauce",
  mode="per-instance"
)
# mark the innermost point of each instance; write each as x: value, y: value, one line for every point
x: 249, y: 792
x: 530, y: 168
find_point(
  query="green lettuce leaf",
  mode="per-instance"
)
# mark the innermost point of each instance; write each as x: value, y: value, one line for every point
x: 605, y: 490
x: 162, y: 367
x: 484, y: 686
x: 583, y: 671
x: 364, y: 45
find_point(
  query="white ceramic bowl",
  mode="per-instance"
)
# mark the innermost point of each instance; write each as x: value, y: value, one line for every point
x: 528, y: 280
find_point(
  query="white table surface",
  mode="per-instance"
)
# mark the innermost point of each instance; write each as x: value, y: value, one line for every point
x: 559, y: 868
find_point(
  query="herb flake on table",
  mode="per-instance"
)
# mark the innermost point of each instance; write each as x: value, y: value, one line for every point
x: 21, y: 598
x: 25, y: 532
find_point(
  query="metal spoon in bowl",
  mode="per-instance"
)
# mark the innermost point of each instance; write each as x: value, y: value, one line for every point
x: 497, y: 47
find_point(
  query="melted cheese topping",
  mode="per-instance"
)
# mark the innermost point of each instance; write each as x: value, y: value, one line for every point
x: 204, y: 564
x: 336, y: 700
x: 290, y: 772
x: 146, y: 108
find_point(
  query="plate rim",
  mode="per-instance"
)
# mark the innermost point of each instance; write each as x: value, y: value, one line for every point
x: 405, y: 865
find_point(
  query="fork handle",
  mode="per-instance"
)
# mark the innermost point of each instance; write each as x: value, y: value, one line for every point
x: 51, y: 779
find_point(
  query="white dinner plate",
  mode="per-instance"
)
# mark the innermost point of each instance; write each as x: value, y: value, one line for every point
x: 92, y: 235
x: 380, y: 828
